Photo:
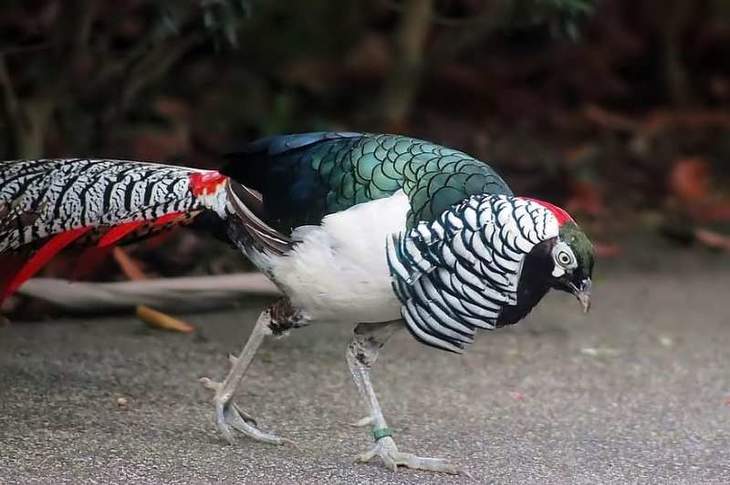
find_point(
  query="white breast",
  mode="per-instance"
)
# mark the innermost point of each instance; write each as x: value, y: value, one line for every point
x: 338, y: 270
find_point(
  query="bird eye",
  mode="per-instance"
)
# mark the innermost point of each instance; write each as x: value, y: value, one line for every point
x: 564, y: 258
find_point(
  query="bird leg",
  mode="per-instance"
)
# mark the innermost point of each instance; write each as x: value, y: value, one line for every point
x: 228, y: 415
x: 362, y: 352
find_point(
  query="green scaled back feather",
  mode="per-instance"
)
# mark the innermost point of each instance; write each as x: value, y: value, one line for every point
x: 369, y: 167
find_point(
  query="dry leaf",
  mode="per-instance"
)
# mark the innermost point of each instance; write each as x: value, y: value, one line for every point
x: 689, y: 179
x: 712, y: 239
x: 586, y: 198
x: 131, y: 268
x: 517, y: 395
x: 156, y: 319
x: 610, y: 120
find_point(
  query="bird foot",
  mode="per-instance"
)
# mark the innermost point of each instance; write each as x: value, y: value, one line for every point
x: 386, y: 449
x: 229, y: 417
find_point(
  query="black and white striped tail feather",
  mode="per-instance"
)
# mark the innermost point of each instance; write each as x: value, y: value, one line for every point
x: 49, y: 204
x: 52, y: 203
x: 49, y: 196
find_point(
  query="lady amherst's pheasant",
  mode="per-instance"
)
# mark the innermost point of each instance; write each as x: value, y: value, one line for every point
x: 381, y: 231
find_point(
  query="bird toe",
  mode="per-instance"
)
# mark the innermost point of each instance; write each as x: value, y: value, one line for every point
x: 387, y: 451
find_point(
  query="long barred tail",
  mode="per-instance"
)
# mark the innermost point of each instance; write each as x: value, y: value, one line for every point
x: 45, y: 205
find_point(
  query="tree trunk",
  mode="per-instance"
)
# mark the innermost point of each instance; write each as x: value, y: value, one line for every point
x: 31, y: 129
x: 402, y: 85
x: 27, y: 119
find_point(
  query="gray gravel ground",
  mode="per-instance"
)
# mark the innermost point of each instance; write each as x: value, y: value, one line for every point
x: 637, y: 392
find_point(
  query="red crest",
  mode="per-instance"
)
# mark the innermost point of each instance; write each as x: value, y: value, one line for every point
x: 560, y: 214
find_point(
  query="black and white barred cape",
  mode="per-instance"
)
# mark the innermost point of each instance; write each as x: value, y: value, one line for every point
x: 455, y: 274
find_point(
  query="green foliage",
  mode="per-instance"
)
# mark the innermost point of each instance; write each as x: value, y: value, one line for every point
x: 102, y: 58
x: 220, y: 19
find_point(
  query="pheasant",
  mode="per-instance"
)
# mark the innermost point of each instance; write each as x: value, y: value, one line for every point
x: 379, y: 231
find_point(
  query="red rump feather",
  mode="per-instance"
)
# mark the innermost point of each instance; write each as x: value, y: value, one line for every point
x: 560, y: 214
x: 203, y: 183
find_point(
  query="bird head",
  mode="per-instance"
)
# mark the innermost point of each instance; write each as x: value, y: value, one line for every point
x: 572, y: 259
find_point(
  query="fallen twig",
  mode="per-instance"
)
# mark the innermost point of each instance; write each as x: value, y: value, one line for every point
x: 198, y: 293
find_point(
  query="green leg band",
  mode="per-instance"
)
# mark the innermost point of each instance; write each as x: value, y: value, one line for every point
x: 380, y: 433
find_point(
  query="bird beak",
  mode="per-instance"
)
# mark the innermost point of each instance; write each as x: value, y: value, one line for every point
x: 583, y: 294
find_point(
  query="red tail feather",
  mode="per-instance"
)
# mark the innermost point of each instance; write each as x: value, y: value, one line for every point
x: 167, y: 218
x: 15, y: 276
x: 116, y: 234
x: 41, y: 258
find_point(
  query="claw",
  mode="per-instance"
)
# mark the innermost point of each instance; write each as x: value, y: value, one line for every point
x: 229, y: 416
x: 386, y: 449
x: 246, y: 417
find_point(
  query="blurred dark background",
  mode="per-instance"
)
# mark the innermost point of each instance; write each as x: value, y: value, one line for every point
x: 616, y: 110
